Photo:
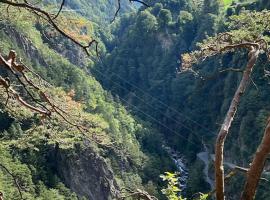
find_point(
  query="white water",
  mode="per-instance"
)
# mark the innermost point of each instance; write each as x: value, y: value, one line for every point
x: 180, y: 165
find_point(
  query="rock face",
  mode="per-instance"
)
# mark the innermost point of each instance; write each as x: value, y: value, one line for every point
x: 82, y: 170
x: 86, y: 173
x: 20, y: 40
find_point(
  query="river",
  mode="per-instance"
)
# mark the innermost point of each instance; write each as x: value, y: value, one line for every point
x: 179, y: 162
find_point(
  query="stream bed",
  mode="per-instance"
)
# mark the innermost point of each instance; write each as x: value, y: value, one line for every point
x: 179, y: 162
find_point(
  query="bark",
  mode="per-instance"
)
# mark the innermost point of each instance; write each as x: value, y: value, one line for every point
x: 257, y: 166
x: 219, y: 148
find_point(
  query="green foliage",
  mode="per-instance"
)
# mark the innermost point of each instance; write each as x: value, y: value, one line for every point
x: 147, y: 22
x: 165, y: 17
x: 24, y: 176
x: 98, y: 11
x: 227, y: 2
x: 248, y: 27
x: 140, y: 68
x: 173, y: 192
x: 87, y: 102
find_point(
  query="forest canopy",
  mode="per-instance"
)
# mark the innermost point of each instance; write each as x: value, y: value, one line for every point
x: 100, y: 85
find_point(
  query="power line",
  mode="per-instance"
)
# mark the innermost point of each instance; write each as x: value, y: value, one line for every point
x: 146, y: 103
x: 156, y: 99
x: 156, y: 120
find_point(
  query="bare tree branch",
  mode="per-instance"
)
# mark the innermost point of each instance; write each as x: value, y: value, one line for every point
x: 215, y: 75
x: 232, y: 173
x: 224, y: 131
x: 221, y: 44
x: 45, y: 110
x: 14, y: 180
x: 119, y: 7
x: 60, y: 9
x: 117, y: 10
x: 257, y: 165
x: 141, y: 2
x: 48, y: 17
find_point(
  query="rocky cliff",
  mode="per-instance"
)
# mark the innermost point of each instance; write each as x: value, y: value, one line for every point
x: 86, y: 173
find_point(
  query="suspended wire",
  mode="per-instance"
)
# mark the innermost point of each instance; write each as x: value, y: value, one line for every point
x: 154, y: 98
x: 157, y: 121
x: 161, y: 102
x: 146, y: 103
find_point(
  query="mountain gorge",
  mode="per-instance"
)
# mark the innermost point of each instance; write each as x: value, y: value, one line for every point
x: 187, y: 109
x: 49, y: 159
x: 132, y: 97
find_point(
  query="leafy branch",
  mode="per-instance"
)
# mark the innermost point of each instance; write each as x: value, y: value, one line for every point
x: 247, y: 32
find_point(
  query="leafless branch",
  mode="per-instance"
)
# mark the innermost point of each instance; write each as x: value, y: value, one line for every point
x: 60, y: 9
x: 119, y: 7
x: 14, y: 180
x: 45, y: 105
x: 222, y: 44
x: 213, y: 76
x: 117, y: 10
x: 50, y: 19
x: 232, y: 173
x: 254, y: 50
x: 141, y: 2
x: 257, y: 165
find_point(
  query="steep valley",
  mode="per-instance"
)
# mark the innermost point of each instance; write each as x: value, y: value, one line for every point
x: 144, y: 116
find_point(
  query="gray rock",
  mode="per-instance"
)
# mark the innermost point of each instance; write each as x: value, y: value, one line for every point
x: 86, y: 173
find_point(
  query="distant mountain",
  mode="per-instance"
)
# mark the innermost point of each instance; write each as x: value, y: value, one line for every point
x: 98, y: 11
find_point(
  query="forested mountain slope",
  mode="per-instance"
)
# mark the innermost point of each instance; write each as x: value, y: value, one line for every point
x: 142, y: 69
x: 131, y: 100
x: 52, y: 159
x: 98, y: 11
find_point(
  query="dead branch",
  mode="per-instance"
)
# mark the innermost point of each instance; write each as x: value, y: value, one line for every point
x: 253, y: 42
x: 62, y: 113
x: 50, y: 19
x: 231, y: 70
x: 60, y: 9
x: 215, y: 75
x: 232, y: 173
x: 119, y: 7
x: 14, y: 180
x: 257, y: 165
x: 224, y: 131
x: 117, y: 10
x: 45, y: 105
x: 141, y: 2
x: 220, y: 45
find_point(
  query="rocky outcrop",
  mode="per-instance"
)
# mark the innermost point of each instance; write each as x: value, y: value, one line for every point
x: 73, y: 53
x: 23, y: 42
x: 81, y: 169
x: 86, y: 173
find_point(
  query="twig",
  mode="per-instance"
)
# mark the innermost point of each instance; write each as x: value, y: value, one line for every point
x: 232, y: 173
x: 60, y: 9
x: 222, y: 71
x: 14, y: 180
x: 45, y: 15
x: 119, y: 7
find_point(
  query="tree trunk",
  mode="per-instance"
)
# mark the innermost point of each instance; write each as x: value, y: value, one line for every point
x: 219, y: 170
x: 257, y: 165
